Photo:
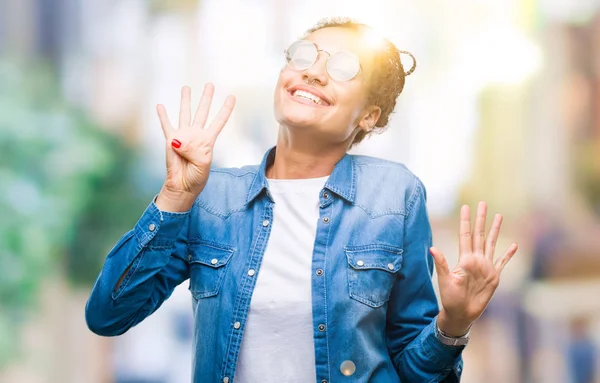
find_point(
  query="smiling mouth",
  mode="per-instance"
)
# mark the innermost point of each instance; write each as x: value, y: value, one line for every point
x: 309, y: 96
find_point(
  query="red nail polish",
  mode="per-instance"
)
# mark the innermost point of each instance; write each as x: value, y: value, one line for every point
x: 176, y: 144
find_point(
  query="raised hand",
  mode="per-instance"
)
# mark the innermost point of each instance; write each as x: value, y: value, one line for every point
x: 466, y: 291
x: 190, y: 149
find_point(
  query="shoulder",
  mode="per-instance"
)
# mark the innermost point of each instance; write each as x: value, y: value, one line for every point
x: 386, y: 185
x: 226, y: 189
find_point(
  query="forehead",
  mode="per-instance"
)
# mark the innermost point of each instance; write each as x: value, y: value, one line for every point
x: 335, y: 39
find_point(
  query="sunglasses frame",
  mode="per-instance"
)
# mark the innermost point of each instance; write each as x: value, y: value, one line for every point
x: 288, y: 59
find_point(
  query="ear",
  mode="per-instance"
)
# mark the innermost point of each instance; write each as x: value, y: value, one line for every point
x: 370, y: 117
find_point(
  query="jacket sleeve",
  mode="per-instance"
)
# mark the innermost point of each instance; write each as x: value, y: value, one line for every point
x: 152, y: 256
x: 416, y: 352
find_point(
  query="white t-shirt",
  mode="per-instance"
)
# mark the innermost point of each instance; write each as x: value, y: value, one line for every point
x: 278, y: 341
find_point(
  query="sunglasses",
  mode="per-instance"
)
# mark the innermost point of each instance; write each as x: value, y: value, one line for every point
x: 341, y: 66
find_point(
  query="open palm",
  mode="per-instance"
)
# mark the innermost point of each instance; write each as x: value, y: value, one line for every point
x: 466, y: 290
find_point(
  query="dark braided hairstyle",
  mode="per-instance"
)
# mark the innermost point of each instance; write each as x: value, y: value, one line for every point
x: 387, y: 80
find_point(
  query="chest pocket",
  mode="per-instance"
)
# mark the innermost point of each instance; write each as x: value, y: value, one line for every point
x: 372, y: 271
x: 208, y: 264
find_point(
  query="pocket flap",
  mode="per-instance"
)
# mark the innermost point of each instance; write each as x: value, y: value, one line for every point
x: 210, y: 254
x: 382, y: 257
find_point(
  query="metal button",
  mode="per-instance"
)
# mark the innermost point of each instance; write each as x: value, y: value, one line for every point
x: 237, y: 325
x: 347, y: 367
x: 266, y: 223
x: 190, y: 257
x: 214, y: 261
x: 321, y: 327
x: 325, y: 195
x: 324, y: 381
x: 360, y: 263
x: 390, y: 266
x: 319, y: 272
x: 326, y: 219
x: 151, y: 227
x: 251, y: 272
x: 226, y: 379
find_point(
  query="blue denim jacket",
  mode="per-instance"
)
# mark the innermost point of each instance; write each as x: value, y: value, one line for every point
x: 373, y: 301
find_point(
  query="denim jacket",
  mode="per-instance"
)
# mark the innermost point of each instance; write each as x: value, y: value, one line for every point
x: 373, y: 301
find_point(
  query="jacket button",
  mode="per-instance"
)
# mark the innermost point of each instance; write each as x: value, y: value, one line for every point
x: 360, y: 263
x: 266, y: 223
x: 321, y: 327
x: 151, y: 227
x: 251, y: 272
x: 324, y: 381
x: 347, y: 367
x: 226, y: 379
x: 319, y: 272
x: 237, y: 325
x: 325, y: 195
x: 390, y: 266
x: 214, y: 261
x: 326, y: 219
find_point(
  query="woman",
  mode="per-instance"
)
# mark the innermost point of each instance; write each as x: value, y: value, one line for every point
x: 315, y: 265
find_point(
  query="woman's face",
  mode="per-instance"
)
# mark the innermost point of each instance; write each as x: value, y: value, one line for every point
x: 343, y: 106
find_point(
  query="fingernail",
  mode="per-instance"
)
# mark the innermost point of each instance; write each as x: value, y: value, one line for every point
x: 176, y: 144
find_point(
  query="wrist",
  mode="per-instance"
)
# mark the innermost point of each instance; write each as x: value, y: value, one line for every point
x: 174, y: 202
x: 452, y: 327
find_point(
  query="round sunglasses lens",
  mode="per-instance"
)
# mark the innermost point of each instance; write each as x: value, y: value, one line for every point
x: 343, y: 66
x: 301, y: 55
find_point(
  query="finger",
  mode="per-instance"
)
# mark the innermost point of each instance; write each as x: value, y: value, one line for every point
x: 184, y: 109
x: 181, y: 147
x: 500, y: 263
x: 465, y: 239
x: 492, y: 238
x: 479, y: 228
x: 165, y: 124
x: 441, y: 264
x: 221, y: 119
x: 204, y: 106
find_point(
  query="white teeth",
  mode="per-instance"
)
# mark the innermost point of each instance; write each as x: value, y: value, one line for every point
x: 308, y: 96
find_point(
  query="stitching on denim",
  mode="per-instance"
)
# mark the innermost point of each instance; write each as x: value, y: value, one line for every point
x: 384, y: 213
x: 159, y: 247
x: 221, y: 269
x: 240, y: 297
x: 353, y: 170
x: 172, y: 214
x: 233, y: 173
x: 374, y: 246
x: 219, y: 214
x: 196, y: 241
x: 125, y: 281
x: 207, y: 294
x: 414, y: 196
x: 350, y: 252
x: 325, y: 295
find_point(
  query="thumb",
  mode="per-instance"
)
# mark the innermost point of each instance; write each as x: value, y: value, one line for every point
x: 180, y: 147
x: 441, y: 264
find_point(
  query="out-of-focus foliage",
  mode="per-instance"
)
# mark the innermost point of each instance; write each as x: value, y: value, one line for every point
x: 64, y: 193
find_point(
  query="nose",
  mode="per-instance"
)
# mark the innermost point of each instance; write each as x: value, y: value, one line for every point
x: 317, y: 73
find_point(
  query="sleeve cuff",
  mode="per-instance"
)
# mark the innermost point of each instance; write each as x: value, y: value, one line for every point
x: 158, y: 228
x: 439, y: 352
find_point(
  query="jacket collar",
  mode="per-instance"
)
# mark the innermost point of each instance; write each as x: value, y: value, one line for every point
x: 342, y: 180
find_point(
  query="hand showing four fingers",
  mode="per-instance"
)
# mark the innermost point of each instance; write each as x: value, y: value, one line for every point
x: 190, y: 149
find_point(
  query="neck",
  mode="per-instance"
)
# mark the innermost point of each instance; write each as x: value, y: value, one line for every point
x: 304, y: 157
